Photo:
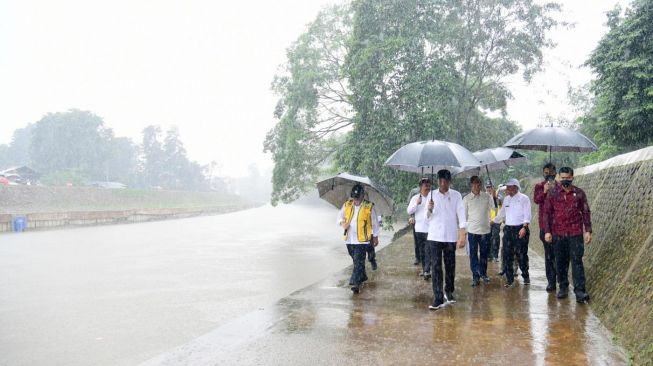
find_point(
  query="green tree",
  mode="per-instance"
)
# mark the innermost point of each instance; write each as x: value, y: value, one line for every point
x: 165, y: 163
x: 18, y: 152
x: 412, y: 70
x: 122, y: 161
x: 70, y: 141
x: 620, y: 119
x: 313, y: 105
x: 4, y: 160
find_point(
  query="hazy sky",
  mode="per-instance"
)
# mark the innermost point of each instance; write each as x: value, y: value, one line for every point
x: 204, y: 66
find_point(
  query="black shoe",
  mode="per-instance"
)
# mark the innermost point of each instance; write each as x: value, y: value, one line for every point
x: 508, y: 284
x: 374, y: 266
x: 450, y: 297
x: 486, y: 279
x: 436, y: 306
x: 582, y: 298
x: 562, y: 294
x: 475, y: 282
x: 427, y: 276
x: 550, y: 288
x: 527, y: 281
x: 501, y: 273
x: 355, y: 289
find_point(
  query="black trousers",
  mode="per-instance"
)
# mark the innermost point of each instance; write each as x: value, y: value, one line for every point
x: 371, y: 253
x: 357, y: 252
x: 415, y: 242
x: 438, y: 252
x: 513, y: 244
x: 570, y: 248
x: 495, y: 239
x: 423, y: 251
x: 549, y: 260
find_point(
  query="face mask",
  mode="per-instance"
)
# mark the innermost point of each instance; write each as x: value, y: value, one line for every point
x: 566, y: 182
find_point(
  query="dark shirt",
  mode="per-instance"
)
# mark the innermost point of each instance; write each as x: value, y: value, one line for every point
x: 566, y: 213
x: 539, y: 196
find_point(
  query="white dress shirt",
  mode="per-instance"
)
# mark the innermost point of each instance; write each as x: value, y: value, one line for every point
x: 448, y: 216
x: 516, y: 210
x: 352, y: 233
x: 477, y: 208
x: 421, y: 226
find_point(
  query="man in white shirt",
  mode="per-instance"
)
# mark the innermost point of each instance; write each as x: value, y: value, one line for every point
x: 446, y: 220
x: 478, y: 206
x: 359, y: 220
x: 417, y: 207
x: 516, y: 211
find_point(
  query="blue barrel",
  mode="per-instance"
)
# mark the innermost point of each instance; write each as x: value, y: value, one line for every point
x: 20, y: 223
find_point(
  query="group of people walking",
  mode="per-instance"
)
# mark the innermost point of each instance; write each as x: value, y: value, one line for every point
x: 443, y: 221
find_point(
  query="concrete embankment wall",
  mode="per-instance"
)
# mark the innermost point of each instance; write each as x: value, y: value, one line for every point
x: 51, y: 220
x: 619, y: 261
x: 54, y: 207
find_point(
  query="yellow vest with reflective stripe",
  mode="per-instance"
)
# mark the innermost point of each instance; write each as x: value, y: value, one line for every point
x: 364, y: 224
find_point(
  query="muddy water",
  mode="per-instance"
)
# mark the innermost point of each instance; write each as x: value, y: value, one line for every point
x: 118, y: 295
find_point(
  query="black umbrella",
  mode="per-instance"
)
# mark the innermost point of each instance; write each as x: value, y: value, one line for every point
x: 552, y: 139
x: 434, y: 155
x: 336, y: 191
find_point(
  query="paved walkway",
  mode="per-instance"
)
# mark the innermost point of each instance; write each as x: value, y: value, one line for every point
x: 389, y: 323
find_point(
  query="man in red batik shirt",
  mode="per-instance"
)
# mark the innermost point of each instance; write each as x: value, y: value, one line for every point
x: 568, y: 225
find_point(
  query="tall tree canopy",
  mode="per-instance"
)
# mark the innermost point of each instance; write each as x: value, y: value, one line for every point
x: 622, y: 114
x: 369, y: 76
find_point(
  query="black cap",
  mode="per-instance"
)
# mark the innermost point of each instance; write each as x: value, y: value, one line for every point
x: 357, y: 191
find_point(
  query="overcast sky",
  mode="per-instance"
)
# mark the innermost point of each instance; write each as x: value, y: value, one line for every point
x: 204, y: 66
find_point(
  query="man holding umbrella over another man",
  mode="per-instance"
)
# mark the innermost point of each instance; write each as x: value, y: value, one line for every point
x: 417, y: 207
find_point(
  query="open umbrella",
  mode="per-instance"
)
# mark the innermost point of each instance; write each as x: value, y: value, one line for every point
x: 433, y: 155
x: 552, y: 139
x: 494, y: 159
x: 336, y: 191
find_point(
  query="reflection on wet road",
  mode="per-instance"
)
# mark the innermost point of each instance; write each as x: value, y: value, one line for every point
x: 119, y: 295
x: 389, y: 324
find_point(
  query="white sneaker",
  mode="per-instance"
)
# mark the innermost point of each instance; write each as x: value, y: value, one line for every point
x: 436, y: 307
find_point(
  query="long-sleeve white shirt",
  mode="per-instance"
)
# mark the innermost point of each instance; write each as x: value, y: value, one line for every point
x: 447, y: 218
x: 421, y: 226
x: 516, y: 210
x: 352, y: 233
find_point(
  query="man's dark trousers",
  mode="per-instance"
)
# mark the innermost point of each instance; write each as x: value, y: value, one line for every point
x: 371, y: 253
x: 478, y: 261
x: 566, y: 247
x: 513, y: 245
x: 423, y: 251
x: 415, y: 242
x: 549, y: 261
x: 438, y: 252
x: 358, y: 253
x: 495, y: 236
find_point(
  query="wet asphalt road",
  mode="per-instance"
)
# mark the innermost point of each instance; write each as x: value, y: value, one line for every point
x: 120, y: 295
x: 389, y: 324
